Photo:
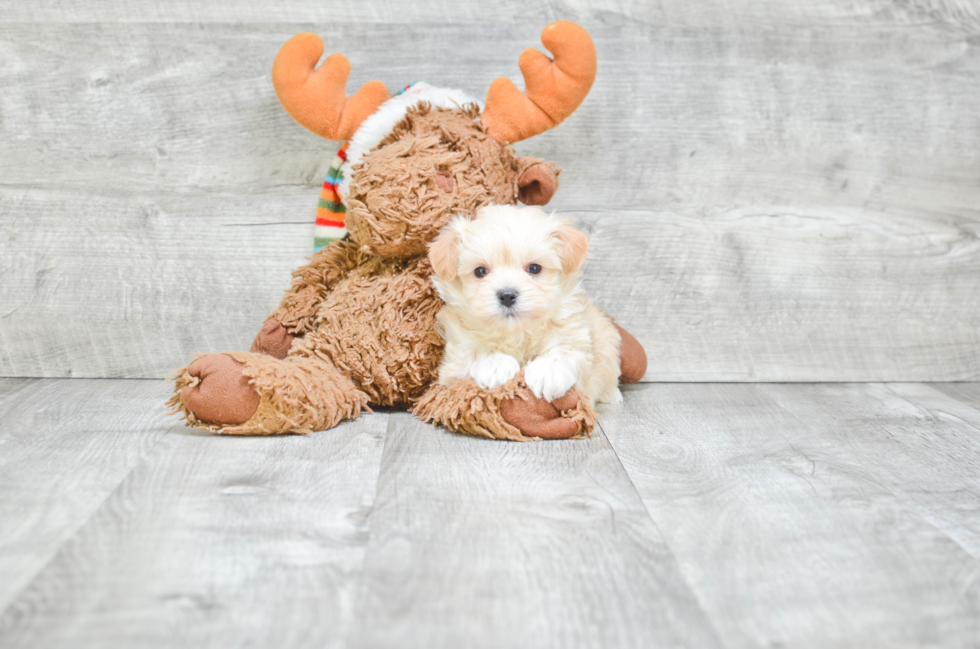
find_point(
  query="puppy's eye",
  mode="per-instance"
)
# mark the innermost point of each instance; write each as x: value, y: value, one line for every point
x: 481, y: 272
x: 534, y: 269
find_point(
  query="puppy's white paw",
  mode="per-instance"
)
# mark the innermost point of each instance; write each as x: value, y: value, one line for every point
x: 548, y: 378
x: 494, y: 369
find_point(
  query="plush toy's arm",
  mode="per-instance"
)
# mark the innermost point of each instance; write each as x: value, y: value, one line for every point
x: 298, y: 308
x: 508, y: 411
x: 310, y: 282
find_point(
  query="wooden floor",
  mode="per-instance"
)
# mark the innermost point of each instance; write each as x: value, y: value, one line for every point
x: 699, y: 515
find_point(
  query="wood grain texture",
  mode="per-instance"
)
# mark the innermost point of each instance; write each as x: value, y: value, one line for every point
x: 792, y: 295
x: 484, y: 544
x: 874, y: 118
x: 967, y: 393
x: 214, y: 542
x: 910, y: 441
x: 10, y: 389
x: 64, y: 447
x: 790, y: 190
x: 700, y: 515
x: 144, y: 282
x: 902, y: 303
x: 728, y: 14
x: 811, y: 515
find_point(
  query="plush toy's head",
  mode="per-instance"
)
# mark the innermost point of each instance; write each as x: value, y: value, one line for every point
x: 435, y: 163
x: 415, y: 160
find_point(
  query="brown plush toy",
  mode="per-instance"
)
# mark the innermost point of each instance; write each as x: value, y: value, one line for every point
x: 357, y: 326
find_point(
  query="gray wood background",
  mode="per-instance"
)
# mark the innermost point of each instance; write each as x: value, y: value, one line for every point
x: 776, y: 191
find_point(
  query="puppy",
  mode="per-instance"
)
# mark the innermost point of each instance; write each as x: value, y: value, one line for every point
x: 511, y: 283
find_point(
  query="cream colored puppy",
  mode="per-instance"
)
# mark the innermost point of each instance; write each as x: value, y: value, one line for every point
x: 511, y: 282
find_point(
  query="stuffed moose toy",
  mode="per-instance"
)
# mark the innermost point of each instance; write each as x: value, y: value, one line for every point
x: 357, y: 326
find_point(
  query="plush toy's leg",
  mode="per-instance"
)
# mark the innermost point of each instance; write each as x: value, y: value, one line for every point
x: 506, y: 412
x: 273, y: 339
x: 632, y: 357
x: 240, y: 393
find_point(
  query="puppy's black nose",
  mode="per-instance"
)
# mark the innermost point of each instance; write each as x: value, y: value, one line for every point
x: 507, y: 296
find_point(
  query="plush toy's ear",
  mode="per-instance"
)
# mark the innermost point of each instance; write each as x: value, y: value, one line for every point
x: 537, y: 184
x: 574, y: 246
x: 444, y: 254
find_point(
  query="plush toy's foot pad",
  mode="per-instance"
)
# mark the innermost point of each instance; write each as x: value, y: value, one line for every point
x: 632, y: 357
x: 273, y: 339
x: 221, y: 394
x: 535, y: 417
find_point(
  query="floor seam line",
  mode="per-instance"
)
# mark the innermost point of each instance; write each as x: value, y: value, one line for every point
x: 663, y: 538
x: 367, y: 539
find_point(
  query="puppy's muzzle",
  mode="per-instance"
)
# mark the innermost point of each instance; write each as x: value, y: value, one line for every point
x: 507, y: 297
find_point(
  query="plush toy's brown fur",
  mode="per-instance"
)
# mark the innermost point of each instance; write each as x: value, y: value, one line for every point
x: 357, y: 326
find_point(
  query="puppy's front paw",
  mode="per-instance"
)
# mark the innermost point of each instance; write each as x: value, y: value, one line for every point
x: 494, y: 369
x: 548, y: 378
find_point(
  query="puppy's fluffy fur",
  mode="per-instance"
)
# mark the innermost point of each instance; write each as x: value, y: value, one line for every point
x: 511, y: 283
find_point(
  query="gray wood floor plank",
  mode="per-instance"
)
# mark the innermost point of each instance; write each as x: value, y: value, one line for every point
x: 215, y: 541
x: 923, y: 447
x: 784, y: 509
x: 958, y: 402
x: 11, y: 388
x: 788, y: 204
x: 711, y: 515
x: 64, y: 447
x: 967, y: 393
x: 489, y: 544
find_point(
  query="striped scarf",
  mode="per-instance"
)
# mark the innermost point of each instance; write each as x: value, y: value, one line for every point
x: 331, y: 211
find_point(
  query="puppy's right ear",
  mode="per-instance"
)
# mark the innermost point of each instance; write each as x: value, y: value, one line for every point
x: 574, y: 246
x: 444, y: 254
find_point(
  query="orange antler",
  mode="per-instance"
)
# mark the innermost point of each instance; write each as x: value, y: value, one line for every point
x: 317, y: 99
x: 554, y: 88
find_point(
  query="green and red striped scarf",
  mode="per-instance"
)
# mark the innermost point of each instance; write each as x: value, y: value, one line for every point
x: 330, y: 213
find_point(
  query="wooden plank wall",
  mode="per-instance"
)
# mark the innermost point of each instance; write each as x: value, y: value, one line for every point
x: 776, y: 191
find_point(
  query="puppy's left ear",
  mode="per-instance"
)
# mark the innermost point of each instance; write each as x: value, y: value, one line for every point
x: 573, y: 247
x: 444, y: 254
